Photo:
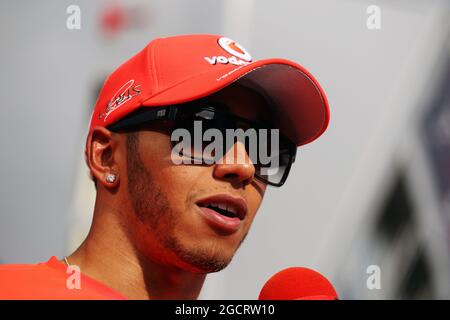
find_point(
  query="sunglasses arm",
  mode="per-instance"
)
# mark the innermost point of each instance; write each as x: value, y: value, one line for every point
x: 144, y: 115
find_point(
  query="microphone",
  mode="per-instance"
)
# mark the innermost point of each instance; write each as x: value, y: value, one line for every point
x: 297, y: 283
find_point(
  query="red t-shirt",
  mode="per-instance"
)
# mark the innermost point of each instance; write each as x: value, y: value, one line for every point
x: 50, y: 280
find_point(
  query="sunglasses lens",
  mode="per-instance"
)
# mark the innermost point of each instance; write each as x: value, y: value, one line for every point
x: 196, y: 138
x: 204, y: 137
x: 276, y: 171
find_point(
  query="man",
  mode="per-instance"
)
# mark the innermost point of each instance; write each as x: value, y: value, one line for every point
x: 168, y: 212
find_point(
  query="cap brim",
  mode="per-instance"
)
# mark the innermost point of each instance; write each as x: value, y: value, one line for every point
x: 301, y: 105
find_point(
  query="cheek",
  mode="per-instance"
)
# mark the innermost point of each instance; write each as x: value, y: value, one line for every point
x: 182, y: 184
x: 175, y: 181
x: 255, y: 195
x: 179, y: 181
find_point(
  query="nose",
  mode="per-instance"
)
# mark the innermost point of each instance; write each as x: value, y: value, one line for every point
x: 235, y: 166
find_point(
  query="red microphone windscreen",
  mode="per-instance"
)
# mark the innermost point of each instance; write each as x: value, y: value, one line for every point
x: 298, y: 283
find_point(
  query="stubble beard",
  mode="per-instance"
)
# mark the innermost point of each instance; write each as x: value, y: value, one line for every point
x: 152, y: 209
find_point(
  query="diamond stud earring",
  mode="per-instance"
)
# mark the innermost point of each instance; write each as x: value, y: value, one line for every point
x: 110, y: 177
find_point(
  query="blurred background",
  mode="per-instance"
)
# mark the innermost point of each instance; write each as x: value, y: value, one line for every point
x: 370, y: 198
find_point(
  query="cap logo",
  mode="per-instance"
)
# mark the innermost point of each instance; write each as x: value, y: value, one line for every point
x: 240, y: 57
x: 234, y: 48
x: 124, y: 94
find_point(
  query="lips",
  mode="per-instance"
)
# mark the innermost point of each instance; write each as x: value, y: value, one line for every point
x: 223, y: 211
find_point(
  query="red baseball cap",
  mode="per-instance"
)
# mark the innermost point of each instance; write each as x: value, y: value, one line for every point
x: 180, y: 69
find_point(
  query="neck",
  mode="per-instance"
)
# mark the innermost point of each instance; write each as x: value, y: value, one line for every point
x: 108, y: 255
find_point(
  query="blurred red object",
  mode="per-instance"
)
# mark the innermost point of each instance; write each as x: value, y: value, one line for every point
x: 113, y: 19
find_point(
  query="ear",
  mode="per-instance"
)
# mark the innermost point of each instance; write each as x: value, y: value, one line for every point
x: 101, y: 153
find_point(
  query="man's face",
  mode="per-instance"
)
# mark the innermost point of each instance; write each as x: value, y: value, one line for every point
x: 167, y: 222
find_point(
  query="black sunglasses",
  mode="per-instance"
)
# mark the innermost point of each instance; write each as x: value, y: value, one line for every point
x: 272, y: 156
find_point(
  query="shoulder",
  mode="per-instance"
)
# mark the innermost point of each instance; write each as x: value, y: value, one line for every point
x: 31, y: 281
x: 51, y: 280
